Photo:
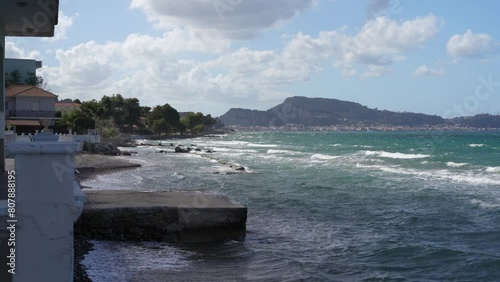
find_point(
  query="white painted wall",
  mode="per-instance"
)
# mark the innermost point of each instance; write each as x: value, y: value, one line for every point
x: 46, y: 104
x: 45, y: 209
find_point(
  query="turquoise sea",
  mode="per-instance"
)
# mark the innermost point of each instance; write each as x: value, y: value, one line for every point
x: 366, y: 206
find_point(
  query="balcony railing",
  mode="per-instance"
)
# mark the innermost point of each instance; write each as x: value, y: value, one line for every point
x: 33, y: 114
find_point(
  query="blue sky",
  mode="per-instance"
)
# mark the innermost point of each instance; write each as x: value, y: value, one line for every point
x: 435, y: 57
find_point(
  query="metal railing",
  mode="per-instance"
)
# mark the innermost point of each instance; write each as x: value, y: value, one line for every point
x: 33, y: 114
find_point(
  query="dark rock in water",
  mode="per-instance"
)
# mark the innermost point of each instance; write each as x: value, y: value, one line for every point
x: 107, y: 149
x: 241, y: 168
x: 209, y: 151
x: 171, y: 144
x: 160, y: 145
x: 192, y: 145
x: 161, y: 151
x: 125, y: 153
x: 189, y: 149
x: 178, y: 149
x: 197, y: 150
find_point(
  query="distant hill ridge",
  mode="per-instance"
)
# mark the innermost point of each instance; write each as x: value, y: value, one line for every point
x: 324, y: 112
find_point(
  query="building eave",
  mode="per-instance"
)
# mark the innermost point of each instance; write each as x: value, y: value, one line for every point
x: 33, y: 18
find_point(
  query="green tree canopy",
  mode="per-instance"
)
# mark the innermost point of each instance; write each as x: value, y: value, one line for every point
x: 166, y: 112
x: 197, y: 122
x: 160, y: 126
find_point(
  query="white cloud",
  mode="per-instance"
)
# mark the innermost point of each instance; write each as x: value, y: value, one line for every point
x: 379, y: 44
x: 62, y: 27
x: 16, y: 52
x: 426, y: 71
x: 470, y: 44
x: 154, y: 69
x: 231, y: 18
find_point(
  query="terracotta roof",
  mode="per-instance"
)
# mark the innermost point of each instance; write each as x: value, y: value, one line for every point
x: 23, y: 122
x: 27, y: 91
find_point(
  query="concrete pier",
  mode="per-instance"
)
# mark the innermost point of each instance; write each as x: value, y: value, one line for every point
x: 185, y: 217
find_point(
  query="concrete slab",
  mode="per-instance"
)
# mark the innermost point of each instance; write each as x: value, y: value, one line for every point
x: 161, y: 216
x: 122, y: 198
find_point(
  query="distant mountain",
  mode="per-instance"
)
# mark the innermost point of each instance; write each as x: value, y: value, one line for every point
x: 324, y: 112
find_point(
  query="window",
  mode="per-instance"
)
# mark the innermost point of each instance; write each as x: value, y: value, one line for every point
x: 35, y: 106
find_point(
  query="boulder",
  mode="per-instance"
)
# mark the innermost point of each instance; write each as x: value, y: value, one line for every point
x: 178, y: 149
x: 107, y: 149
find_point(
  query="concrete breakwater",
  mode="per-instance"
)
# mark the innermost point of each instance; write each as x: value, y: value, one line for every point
x: 160, y: 216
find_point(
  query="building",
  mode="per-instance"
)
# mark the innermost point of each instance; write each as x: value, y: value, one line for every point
x: 26, y: 18
x: 67, y: 106
x: 24, y: 66
x: 29, y: 108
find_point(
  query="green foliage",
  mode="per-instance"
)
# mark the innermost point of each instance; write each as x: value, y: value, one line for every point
x: 166, y: 112
x: 145, y: 110
x: 197, y: 122
x: 13, y: 78
x: 160, y: 126
x: 76, y: 120
x: 77, y: 101
x: 109, y: 132
x: 123, y: 111
x: 34, y: 80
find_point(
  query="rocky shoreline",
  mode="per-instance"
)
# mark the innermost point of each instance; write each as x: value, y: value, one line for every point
x: 88, y: 166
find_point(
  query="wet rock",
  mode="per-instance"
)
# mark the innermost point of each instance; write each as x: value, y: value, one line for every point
x: 107, y: 149
x: 178, y: 149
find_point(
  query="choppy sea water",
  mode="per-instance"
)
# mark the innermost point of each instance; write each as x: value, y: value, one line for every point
x: 326, y: 206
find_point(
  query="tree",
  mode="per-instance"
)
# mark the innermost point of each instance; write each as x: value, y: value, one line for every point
x: 197, y: 122
x: 77, y: 101
x: 166, y: 112
x: 12, y: 78
x: 34, y: 80
x: 145, y: 110
x: 160, y: 126
x: 132, y: 112
x: 77, y: 120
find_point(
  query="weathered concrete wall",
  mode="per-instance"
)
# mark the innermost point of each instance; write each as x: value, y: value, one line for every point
x: 2, y: 95
x: 45, y: 210
x: 163, y: 216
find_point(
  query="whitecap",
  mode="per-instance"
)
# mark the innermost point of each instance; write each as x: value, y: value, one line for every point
x: 282, y: 152
x: 384, y: 154
x: 262, y: 145
x: 492, y: 169
x: 485, y: 205
x: 321, y: 157
x: 452, y: 164
x: 476, y: 145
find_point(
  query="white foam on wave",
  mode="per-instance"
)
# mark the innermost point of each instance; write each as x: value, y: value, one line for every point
x: 476, y: 145
x: 389, y: 155
x: 452, y: 164
x: 492, y: 169
x: 362, y: 146
x: 260, y: 145
x: 471, y: 177
x: 220, y: 149
x: 485, y: 205
x: 321, y: 157
x: 282, y: 152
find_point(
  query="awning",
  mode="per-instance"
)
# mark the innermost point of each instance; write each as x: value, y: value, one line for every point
x: 23, y: 122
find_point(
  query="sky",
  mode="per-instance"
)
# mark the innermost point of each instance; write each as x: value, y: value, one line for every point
x: 434, y: 57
